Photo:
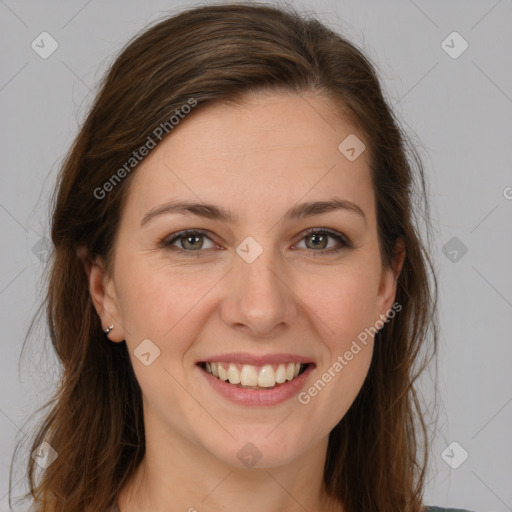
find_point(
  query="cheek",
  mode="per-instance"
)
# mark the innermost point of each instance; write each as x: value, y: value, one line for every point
x: 346, y: 307
x: 157, y: 301
x: 348, y: 312
x: 344, y: 301
x: 162, y: 305
x: 346, y: 379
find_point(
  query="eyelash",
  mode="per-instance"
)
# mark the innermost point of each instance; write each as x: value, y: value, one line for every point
x: 343, y: 240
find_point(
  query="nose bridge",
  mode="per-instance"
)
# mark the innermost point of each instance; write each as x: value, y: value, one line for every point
x: 257, y: 295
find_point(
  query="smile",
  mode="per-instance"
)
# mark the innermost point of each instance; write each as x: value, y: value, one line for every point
x: 248, y: 376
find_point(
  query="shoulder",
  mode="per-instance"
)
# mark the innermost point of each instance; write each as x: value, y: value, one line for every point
x: 440, y: 509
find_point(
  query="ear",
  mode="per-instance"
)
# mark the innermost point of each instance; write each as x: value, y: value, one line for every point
x: 103, y: 295
x: 387, y: 286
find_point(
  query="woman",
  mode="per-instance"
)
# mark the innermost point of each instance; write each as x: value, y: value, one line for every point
x: 238, y: 295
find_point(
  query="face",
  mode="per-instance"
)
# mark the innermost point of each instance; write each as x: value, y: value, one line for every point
x: 254, y: 293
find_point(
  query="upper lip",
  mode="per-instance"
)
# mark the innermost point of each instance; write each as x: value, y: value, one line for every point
x: 257, y: 360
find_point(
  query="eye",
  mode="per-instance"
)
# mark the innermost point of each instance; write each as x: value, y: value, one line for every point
x: 318, y: 241
x: 191, y: 241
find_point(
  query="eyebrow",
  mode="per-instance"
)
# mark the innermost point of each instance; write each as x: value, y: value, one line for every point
x: 214, y: 212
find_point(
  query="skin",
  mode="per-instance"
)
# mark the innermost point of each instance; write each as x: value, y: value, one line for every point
x: 291, y: 299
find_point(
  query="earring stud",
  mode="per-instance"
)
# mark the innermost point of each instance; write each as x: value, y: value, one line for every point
x: 108, y: 329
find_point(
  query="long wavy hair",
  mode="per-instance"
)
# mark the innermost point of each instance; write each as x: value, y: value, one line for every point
x: 378, y: 453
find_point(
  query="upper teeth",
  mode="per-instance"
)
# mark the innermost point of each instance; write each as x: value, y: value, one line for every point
x: 249, y: 375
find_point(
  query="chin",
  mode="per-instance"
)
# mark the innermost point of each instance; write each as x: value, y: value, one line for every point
x: 259, y: 449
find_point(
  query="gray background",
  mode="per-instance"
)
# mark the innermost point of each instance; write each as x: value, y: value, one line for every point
x: 459, y: 112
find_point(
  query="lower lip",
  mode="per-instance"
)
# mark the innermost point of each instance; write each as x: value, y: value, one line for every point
x: 261, y: 397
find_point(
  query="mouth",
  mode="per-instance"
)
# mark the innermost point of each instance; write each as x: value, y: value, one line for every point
x: 257, y: 377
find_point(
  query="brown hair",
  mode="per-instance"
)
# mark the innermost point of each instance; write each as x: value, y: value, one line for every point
x: 218, y: 53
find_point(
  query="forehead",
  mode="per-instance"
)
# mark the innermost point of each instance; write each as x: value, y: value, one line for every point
x: 270, y: 150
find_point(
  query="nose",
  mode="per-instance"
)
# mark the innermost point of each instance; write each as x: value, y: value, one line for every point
x: 258, y: 299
